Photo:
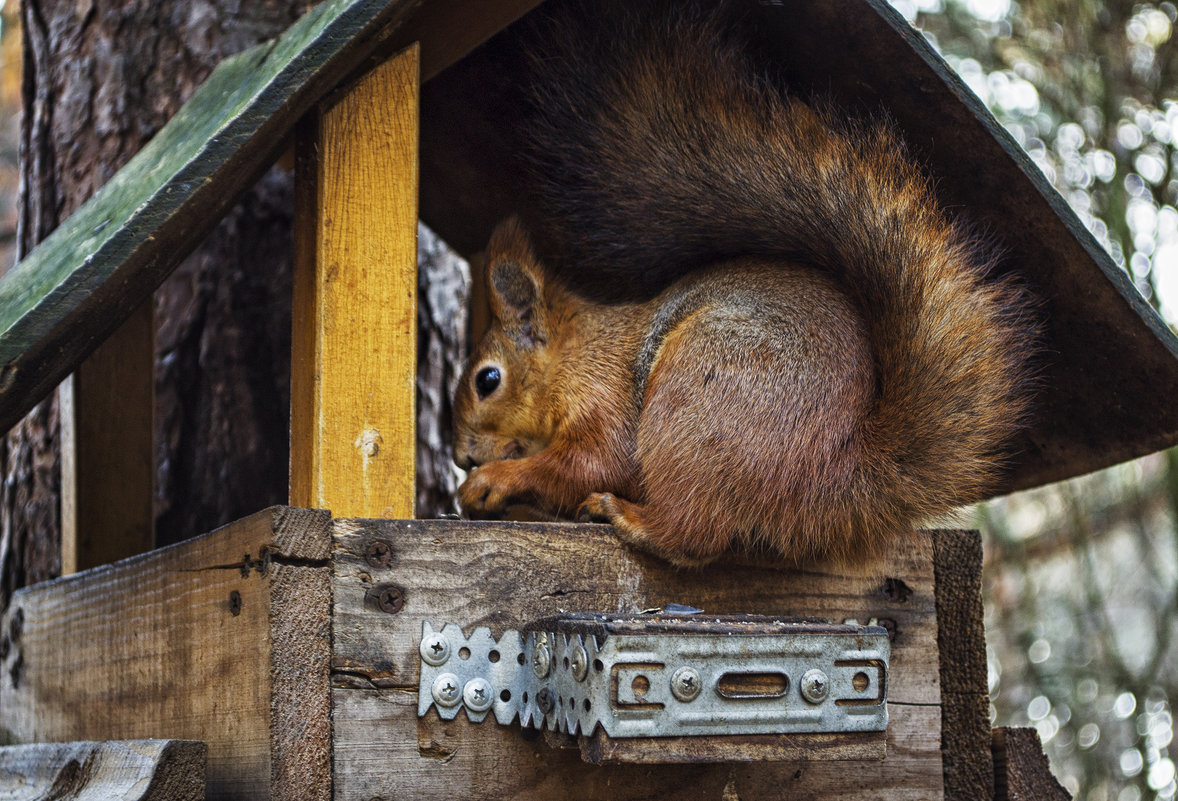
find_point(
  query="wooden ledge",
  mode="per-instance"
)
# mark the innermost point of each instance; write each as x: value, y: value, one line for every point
x: 288, y: 642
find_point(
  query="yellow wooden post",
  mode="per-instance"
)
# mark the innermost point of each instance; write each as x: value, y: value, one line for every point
x: 354, y: 359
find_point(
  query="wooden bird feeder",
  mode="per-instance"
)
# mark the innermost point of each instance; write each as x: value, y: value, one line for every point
x: 292, y: 643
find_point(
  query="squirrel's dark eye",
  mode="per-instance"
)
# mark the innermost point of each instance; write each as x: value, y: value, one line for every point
x: 487, y: 381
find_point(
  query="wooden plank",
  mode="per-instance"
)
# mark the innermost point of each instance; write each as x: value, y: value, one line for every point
x: 108, y: 464
x: 1110, y: 364
x: 354, y: 360
x: 965, y: 690
x: 599, y: 749
x: 132, y: 770
x: 1021, y: 769
x: 502, y: 575
x: 224, y: 638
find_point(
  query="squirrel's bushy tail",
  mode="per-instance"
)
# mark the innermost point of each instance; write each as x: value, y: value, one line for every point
x: 659, y: 144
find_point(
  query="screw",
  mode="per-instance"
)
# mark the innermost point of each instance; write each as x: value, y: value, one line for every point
x: 391, y: 600
x: 435, y: 649
x: 686, y: 684
x: 545, y: 701
x: 234, y: 602
x: 815, y: 686
x: 446, y: 690
x: 378, y: 553
x: 478, y: 695
x: 541, y: 656
x: 579, y: 662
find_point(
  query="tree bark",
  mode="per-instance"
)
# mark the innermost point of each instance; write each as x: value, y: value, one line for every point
x: 222, y: 380
x: 443, y: 286
x: 100, y: 78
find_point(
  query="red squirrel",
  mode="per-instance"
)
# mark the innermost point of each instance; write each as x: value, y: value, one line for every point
x: 824, y: 360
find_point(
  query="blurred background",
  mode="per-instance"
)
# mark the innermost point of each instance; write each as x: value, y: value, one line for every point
x: 1081, y: 578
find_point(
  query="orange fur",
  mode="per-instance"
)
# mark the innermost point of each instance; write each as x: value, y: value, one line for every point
x: 811, y: 360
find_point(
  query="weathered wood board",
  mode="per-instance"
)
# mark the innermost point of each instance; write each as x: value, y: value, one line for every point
x: 223, y: 639
x: 107, y: 454
x: 288, y: 643
x: 503, y: 575
x: 129, y: 770
x: 965, y: 690
x: 1021, y: 769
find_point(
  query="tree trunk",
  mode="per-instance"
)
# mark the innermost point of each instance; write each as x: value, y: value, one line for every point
x: 100, y: 78
x: 443, y: 288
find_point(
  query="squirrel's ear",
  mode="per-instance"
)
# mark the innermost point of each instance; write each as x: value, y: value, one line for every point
x: 514, y: 283
x: 515, y: 302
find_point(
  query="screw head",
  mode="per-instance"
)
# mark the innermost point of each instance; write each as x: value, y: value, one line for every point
x: 545, y: 701
x: 434, y: 649
x: 378, y: 553
x: 478, y: 695
x: 579, y: 662
x: 686, y: 684
x: 447, y: 690
x: 815, y: 686
x: 391, y: 600
x: 541, y: 657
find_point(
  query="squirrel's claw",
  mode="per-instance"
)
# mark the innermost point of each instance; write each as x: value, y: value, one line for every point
x: 485, y: 492
x: 627, y: 520
x: 600, y: 507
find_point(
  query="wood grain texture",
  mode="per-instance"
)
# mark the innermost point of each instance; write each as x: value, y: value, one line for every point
x: 598, y: 749
x: 961, y: 642
x: 223, y: 639
x: 1021, y: 769
x: 502, y: 575
x: 108, y: 464
x: 131, y: 770
x: 354, y: 359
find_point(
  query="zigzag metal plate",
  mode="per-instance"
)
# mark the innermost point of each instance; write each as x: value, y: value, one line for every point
x: 658, y: 676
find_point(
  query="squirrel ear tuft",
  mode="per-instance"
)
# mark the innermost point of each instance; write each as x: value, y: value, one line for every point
x: 515, y: 302
x: 515, y: 283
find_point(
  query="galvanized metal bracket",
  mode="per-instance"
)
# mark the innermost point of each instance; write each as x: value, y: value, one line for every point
x: 662, y: 675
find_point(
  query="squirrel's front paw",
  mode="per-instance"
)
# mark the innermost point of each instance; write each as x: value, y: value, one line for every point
x: 600, y: 507
x: 486, y: 491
